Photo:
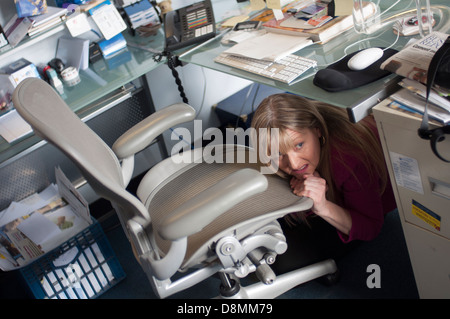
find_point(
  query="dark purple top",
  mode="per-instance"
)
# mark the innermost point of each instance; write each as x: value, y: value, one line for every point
x: 361, y: 198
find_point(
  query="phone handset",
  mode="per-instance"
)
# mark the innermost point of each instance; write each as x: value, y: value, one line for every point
x: 172, y: 29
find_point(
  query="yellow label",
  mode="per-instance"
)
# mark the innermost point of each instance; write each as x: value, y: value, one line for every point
x: 426, y: 215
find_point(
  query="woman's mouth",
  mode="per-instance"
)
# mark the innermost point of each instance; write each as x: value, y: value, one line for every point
x: 301, y: 170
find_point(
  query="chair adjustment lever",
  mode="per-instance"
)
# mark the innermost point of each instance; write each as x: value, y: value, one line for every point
x: 263, y: 270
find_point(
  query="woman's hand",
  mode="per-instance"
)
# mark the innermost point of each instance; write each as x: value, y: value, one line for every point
x: 315, y: 187
x: 312, y: 186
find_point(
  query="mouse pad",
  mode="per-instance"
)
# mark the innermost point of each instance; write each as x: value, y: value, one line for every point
x: 338, y: 77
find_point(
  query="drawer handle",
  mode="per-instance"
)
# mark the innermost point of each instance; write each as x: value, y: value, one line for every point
x: 440, y: 188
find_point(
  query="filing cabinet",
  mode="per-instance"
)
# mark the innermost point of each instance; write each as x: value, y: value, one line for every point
x: 421, y: 183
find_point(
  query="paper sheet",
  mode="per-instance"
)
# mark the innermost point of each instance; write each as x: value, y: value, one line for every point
x: 108, y: 19
x: 343, y: 7
x: 273, y: 4
x: 257, y: 4
x: 270, y: 46
x: 38, y: 228
x: 231, y: 22
x: 13, y: 126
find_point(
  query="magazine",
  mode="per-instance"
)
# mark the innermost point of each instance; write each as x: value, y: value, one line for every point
x: 413, y: 61
x: 412, y: 101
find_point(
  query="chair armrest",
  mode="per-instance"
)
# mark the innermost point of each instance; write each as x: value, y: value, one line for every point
x: 199, y: 211
x: 143, y: 133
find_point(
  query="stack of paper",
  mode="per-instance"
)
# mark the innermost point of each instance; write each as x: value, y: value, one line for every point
x: 48, y: 20
x: 269, y: 46
x: 41, y: 222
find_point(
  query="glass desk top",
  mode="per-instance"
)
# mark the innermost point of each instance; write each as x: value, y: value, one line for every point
x: 357, y: 101
x: 98, y: 81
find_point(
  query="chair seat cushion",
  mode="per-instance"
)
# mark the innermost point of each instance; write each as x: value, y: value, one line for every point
x: 199, y: 177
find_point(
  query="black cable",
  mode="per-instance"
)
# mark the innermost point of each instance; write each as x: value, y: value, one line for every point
x: 171, y: 62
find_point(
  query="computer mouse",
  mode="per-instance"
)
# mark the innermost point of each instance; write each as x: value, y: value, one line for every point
x: 364, y: 58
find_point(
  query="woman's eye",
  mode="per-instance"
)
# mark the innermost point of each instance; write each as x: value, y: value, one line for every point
x: 299, y: 146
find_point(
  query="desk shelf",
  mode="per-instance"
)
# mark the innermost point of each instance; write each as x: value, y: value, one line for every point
x: 106, y: 95
x: 30, y: 41
x: 97, y: 83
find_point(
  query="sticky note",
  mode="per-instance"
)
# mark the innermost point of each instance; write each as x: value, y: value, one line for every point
x: 274, y: 4
x: 257, y: 4
x: 343, y: 7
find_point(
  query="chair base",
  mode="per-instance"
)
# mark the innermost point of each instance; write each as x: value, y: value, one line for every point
x: 285, y: 282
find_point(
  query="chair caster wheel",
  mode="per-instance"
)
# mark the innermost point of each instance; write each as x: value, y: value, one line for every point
x: 230, y: 291
x: 330, y: 279
x: 229, y: 287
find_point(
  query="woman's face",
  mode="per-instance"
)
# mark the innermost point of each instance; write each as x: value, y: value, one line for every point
x: 304, y: 157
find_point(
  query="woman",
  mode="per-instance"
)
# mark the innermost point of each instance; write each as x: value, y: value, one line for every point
x: 339, y: 165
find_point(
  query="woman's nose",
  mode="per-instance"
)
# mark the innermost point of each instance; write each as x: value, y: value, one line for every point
x: 294, y: 161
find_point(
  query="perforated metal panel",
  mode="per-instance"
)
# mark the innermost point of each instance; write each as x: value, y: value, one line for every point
x: 33, y: 170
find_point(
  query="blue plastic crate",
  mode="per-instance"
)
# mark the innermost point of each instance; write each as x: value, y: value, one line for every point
x: 83, y: 267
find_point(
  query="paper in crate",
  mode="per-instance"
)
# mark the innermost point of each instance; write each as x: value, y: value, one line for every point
x: 28, y: 8
x: 41, y: 222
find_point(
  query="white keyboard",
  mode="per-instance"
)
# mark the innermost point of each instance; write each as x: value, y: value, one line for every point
x: 285, y: 70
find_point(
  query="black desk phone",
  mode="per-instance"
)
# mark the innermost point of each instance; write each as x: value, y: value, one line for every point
x: 189, y: 25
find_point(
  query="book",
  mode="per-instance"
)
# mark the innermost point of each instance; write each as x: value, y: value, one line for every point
x: 319, y: 29
x: 321, y: 34
x: 32, y: 31
x: 412, y: 61
x: 16, y: 29
x: 419, y: 89
x: 46, y: 21
x: 51, y: 14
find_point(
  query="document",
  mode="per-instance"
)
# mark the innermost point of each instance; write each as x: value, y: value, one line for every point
x: 41, y: 222
x: 13, y: 126
x: 38, y: 228
x: 269, y: 46
x: 108, y: 19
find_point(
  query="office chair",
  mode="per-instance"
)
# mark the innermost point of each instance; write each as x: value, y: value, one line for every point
x: 191, y: 219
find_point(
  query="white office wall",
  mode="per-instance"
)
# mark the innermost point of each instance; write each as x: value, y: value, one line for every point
x: 203, y: 88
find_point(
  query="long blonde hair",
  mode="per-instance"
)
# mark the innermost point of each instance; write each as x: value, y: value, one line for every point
x: 287, y: 111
